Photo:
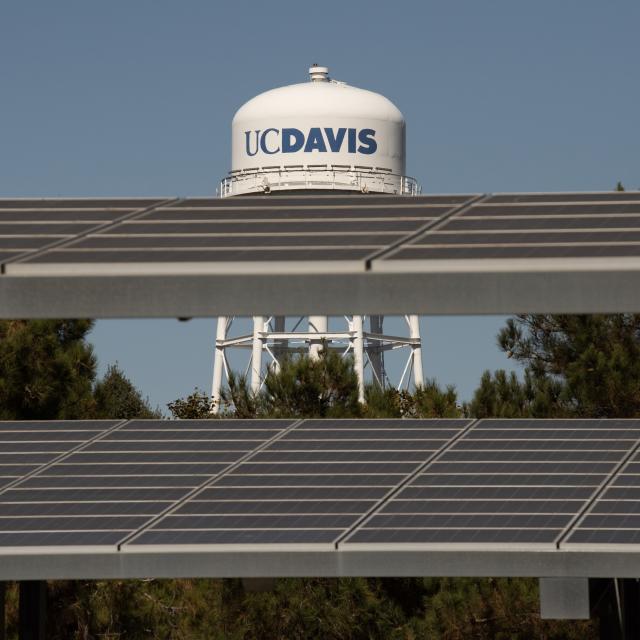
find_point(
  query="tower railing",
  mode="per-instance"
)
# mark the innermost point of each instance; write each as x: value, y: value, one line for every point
x: 361, y: 179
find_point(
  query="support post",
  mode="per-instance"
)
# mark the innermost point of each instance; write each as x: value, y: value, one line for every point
x: 279, y: 346
x: 629, y: 589
x: 615, y: 602
x: 3, y: 615
x: 256, y: 353
x: 416, y: 351
x: 317, y: 324
x: 218, y: 364
x: 374, y: 349
x: 33, y: 610
x: 358, y: 354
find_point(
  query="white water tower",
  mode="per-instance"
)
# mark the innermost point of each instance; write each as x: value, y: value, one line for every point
x: 318, y: 136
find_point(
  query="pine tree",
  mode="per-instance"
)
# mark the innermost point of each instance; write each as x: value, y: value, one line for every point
x: 117, y: 398
x: 47, y: 369
x: 577, y: 366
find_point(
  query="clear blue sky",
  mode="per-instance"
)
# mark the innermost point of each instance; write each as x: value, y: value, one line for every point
x: 136, y: 98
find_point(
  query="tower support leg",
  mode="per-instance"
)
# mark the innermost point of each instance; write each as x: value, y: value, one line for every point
x: 33, y: 610
x: 358, y: 354
x: 376, y: 355
x: 317, y: 324
x: 279, y: 346
x: 416, y: 351
x: 218, y: 364
x: 256, y: 353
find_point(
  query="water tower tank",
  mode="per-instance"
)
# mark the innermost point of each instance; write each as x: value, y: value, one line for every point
x: 318, y: 135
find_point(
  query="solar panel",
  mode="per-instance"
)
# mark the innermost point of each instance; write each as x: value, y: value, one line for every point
x: 504, y: 482
x: 252, y: 230
x: 230, y: 498
x: 117, y: 483
x: 546, y: 253
x: 614, y: 517
x: 26, y: 446
x: 530, y: 227
x: 27, y: 225
x: 309, y: 486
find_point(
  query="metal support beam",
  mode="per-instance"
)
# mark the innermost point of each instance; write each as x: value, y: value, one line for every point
x: 218, y: 363
x: 376, y: 354
x: 3, y: 615
x: 615, y: 602
x: 629, y: 591
x: 358, y: 354
x: 33, y: 610
x: 320, y: 325
x: 416, y: 350
x: 279, y: 345
x: 256, y: 353
x: 564, y: 598
x: 269, y: 336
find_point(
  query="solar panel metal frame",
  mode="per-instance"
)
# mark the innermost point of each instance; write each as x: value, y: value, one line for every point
x: 132, y: 561
x: 369, y: 281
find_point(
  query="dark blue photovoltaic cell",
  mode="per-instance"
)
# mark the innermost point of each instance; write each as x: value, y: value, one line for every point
x: 104, y: 491
x: 291, y: 492
x: 25, y: 446
x: 306, y: 228
x: 496, y: 484
x: 614, y: 518
x: 533, y: 226
x: 30, y: 224
x: 237, y: 482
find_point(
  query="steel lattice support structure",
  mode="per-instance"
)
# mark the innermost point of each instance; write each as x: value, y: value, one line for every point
x: 269, y: 343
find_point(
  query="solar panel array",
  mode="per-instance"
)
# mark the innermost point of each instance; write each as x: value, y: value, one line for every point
x: 354, y: 231
x: 25, y: 446
x: 238, y: 230
x: 532, y: 226
x: 346, y: 484
x: 28, y: 226
x: 118, y: 481
x: 614, y: 517
x: 309, y: 486
x: 506, y: 482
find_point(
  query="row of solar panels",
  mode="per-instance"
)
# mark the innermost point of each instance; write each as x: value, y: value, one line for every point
x: 383, y: 233
x: 322, y: 484
x: 320, y: 254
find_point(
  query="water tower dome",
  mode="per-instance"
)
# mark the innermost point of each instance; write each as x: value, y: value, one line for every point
x: 318, y: 135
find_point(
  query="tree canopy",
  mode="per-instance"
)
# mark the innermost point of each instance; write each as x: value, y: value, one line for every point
x: 584, y: 366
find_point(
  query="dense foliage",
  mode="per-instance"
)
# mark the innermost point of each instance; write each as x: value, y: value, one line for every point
x: 300, y: 609
x: 47, y: 369
x: 116, y: 397
x: 574, y: 366
x: 322, y: 388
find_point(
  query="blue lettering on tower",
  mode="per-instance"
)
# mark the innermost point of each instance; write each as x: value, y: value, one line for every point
x: 291, y: 140
x: 352, y: 140
x: 335, y: 139
x: 367, y: 142
x: 247, y: 135
x: 315, y: 141
x: 263, y: 141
